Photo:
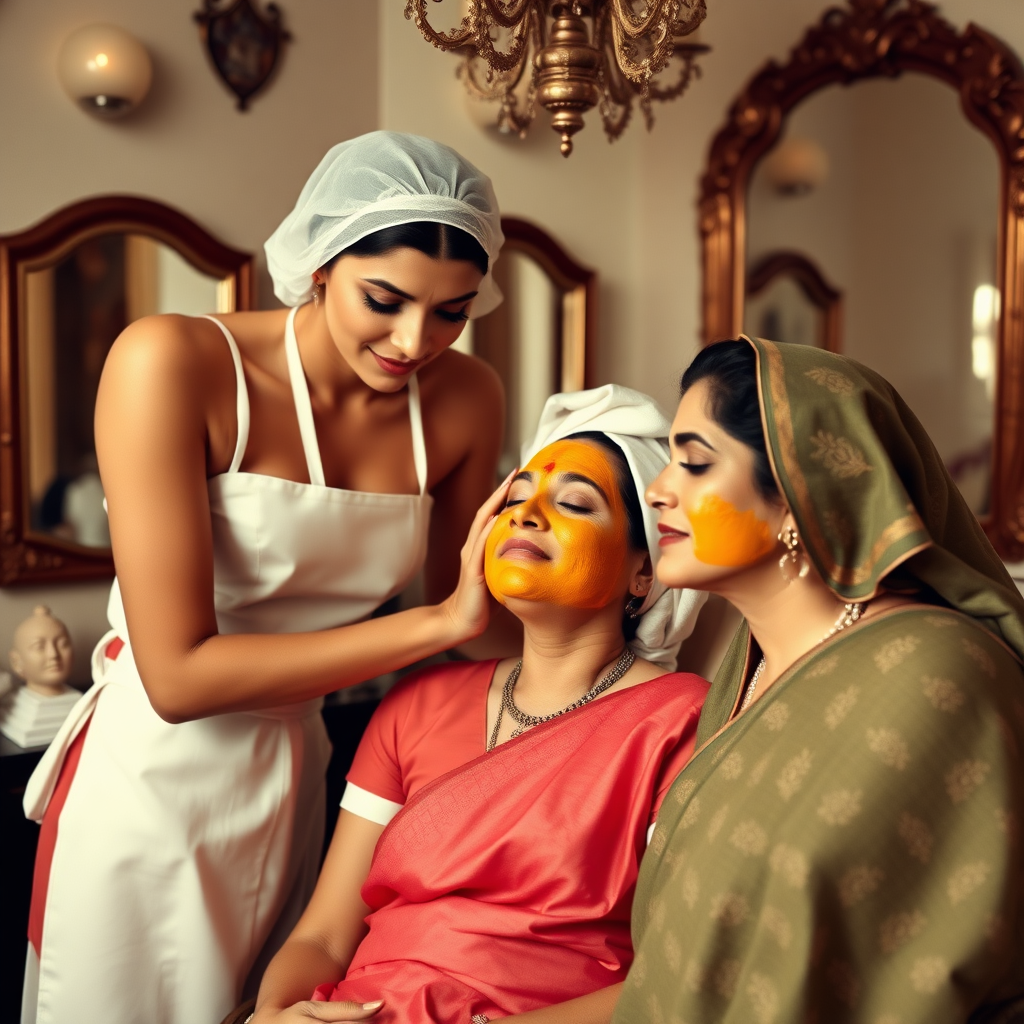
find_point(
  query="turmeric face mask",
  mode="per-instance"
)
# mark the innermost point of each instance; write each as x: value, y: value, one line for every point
x: 724, y: 536
x: 563, y: 536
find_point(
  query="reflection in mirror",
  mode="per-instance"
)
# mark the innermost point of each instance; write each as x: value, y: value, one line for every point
x: 905, y: 225
x: 76, y: 307
x: 540, y: 338
x: 783, y: 312
x: 519, y: 339
x: 788, y: 299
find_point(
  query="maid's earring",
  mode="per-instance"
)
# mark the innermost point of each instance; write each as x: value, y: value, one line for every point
x: 316, y: 294
x: 633, y: 606
x: 793, y: 565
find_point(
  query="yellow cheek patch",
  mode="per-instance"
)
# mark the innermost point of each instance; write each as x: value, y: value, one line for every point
x: 724, y: 536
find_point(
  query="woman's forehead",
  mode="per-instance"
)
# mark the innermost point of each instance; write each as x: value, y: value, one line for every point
x: 692, y: 412
x: 574, y: 456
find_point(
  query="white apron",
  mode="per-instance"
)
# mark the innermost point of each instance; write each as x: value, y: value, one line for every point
x: 185, y: 853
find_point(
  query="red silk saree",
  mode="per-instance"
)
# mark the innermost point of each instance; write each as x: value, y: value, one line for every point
x: 506, y: 884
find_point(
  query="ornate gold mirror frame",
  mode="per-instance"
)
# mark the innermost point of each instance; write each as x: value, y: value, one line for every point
x: 34, y: 557
x: 870, y: 39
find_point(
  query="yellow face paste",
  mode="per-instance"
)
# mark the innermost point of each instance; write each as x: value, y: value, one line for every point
x: 724, y: 536
x: 588, y: 551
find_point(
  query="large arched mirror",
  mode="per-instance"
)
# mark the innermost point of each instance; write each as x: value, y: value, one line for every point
x: 541, y: 338
x: 68, y: 287
x: 918, y: 222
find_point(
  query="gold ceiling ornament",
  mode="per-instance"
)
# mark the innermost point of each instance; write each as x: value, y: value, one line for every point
x: 575, y: 67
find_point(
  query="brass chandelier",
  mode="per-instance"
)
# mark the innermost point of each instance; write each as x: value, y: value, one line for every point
x: 574, y: 68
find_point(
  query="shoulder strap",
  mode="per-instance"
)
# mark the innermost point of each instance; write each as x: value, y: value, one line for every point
x: 241, y: 399
x: 303, y: 407
x: 419, y: 447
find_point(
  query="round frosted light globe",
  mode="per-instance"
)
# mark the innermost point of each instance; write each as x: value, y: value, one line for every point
x: 104, y: 69
x: 796, y: 166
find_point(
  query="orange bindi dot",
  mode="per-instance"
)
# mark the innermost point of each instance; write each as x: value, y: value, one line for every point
x: 550, y: 466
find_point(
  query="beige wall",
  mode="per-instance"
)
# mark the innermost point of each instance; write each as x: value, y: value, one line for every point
x: 236, y: 173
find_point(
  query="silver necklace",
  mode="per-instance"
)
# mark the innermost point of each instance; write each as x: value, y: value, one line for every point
x: 850, y: 614
x: 524, y: 721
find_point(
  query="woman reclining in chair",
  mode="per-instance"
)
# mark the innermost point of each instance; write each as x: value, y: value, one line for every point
x: 490, y: 836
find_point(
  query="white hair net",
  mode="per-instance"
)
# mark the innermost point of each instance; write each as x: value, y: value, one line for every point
x: 638, y: 426
x: 376, y: 181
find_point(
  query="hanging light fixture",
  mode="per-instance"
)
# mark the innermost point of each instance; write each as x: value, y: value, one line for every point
x: 580, y: 55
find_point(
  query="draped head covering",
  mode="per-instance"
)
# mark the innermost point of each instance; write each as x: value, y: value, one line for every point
x: 874, y: 504
x: 382, y: 180
x: 635, y: 423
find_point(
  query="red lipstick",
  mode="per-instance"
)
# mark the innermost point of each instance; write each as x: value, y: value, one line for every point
x: 669, y: 535
x: 394, y: 367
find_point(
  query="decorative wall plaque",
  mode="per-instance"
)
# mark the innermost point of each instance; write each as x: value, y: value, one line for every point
x: 243, y: 44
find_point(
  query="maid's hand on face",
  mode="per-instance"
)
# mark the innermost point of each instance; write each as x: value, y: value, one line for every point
x: 468, y: 609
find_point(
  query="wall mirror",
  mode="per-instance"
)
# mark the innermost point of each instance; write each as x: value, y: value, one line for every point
x: 68, y: 287
x: 918, y: 228
x: 541, y: 338
x: 789, y: 299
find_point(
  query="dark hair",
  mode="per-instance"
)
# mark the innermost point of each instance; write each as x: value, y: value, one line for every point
x: 438, y: 241
x: 730, y: 368
x: 630, y: 498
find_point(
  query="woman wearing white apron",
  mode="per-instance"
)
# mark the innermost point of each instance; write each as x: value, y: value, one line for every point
x: 264, y: 499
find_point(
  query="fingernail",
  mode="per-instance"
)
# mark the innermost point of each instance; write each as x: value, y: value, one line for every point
x: 373, y: 1005
x: 515, y: 469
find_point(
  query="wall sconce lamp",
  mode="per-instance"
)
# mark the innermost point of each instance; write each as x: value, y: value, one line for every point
x: 105, y: 70
x: 796, y: 167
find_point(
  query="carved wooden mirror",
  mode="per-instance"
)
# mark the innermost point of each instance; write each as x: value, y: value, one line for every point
x: 68, y: 287
x: 541, y: 338
x: 920, y: 222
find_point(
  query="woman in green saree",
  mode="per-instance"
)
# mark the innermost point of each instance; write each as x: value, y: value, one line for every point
x: 845, y: 844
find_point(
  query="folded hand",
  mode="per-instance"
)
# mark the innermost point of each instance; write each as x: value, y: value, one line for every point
x: 334, y: 1013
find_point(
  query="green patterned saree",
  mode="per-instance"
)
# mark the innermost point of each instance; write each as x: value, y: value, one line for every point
x: 848, y: 849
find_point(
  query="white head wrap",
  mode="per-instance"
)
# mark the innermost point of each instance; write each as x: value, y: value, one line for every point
x: 636, y: 424
x: 376, y: 181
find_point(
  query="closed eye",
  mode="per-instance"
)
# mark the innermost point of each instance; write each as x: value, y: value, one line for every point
x: 696, y: 468
x: 513, y: 501
x: 581, y: 509
x: 384, y: 308
x: 453, y: 318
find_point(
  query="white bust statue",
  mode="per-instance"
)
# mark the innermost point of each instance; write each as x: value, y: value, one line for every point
x: 41, y: 656
x: 41, y: 653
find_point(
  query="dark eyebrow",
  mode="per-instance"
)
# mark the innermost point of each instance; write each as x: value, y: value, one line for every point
x: 524, y: 475
x: 381, y: 283
x: 684, y: 438
x: 388, y: 286
x: 459, y: 298
x: 579, y: 478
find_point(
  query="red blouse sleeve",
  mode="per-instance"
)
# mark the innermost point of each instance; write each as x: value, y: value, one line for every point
x: 677, y: 758
x: 376, y: 767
